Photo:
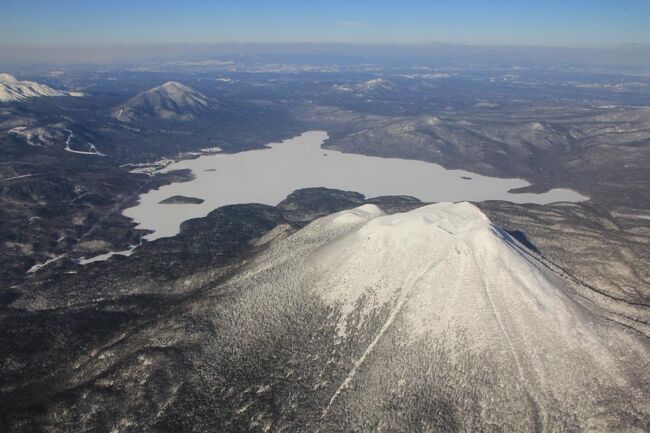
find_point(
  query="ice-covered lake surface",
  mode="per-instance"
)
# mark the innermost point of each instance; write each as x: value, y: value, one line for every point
x: 269, y: 175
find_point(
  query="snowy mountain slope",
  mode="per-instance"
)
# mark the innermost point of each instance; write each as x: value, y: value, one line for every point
x: 172, y: 101
x: 438, y: 309
x: 13, y: 90
x: 432, y: 319
x: 55, y: 136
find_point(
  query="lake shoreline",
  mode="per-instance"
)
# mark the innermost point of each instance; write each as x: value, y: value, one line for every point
x: 269, y: 174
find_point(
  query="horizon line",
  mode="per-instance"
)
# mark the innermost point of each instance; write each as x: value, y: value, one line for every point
x: 628, y: 45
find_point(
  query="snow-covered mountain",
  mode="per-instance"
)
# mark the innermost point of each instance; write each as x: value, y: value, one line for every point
x: 170, y: 101
x: 374, y: 86
x: 377, y: 84
x: 426, y: 320
x: 13, y: 90
x: 57, y: 136
x: 433, y: 319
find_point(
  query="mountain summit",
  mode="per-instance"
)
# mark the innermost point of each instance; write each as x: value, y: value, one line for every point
x: 433, y: 320
x: 170, y: 101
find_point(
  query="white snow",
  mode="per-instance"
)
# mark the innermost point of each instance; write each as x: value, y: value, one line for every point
x: 38, y: 266
x: 370, y: 85
x: 211, y: 149
x: 432, y: 76
x: 6, y: 78
x: 408, y: 250
x: 268, y: 176
x: 106, y: 256
x: 39, y: 136
x: 377, y: 83
x: 172, y: 100
x: 443, y: 277
x: 24, y: 132
x: 13, y: 90
x: 92, y: 150
x: 148, y: 168
x: 22, y: 176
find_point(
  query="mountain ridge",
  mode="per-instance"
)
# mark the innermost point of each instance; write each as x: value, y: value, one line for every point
x: 169, y: 101
x: 13, y: 90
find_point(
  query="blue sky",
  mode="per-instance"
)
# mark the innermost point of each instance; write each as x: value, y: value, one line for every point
x: 550, y: 22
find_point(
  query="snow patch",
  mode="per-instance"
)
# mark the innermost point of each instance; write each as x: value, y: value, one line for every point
x: 39, y: 266
x: 92, y: 150
x: 103, y: 257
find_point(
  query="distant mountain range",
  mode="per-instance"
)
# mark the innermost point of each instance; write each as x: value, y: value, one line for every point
x: 11, y: 89
x: 170, y: 101
x: 371, y: 87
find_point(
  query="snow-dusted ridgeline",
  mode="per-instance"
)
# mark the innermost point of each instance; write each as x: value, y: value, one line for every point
x: 11, y: 89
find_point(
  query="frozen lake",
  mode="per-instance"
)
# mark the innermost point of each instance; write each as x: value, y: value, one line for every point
x: 269, y: 175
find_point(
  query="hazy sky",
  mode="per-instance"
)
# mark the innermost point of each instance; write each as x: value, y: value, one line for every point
x: 520, y: 22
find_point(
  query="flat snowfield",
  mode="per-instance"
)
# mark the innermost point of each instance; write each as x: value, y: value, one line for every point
x: 267, y: 176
